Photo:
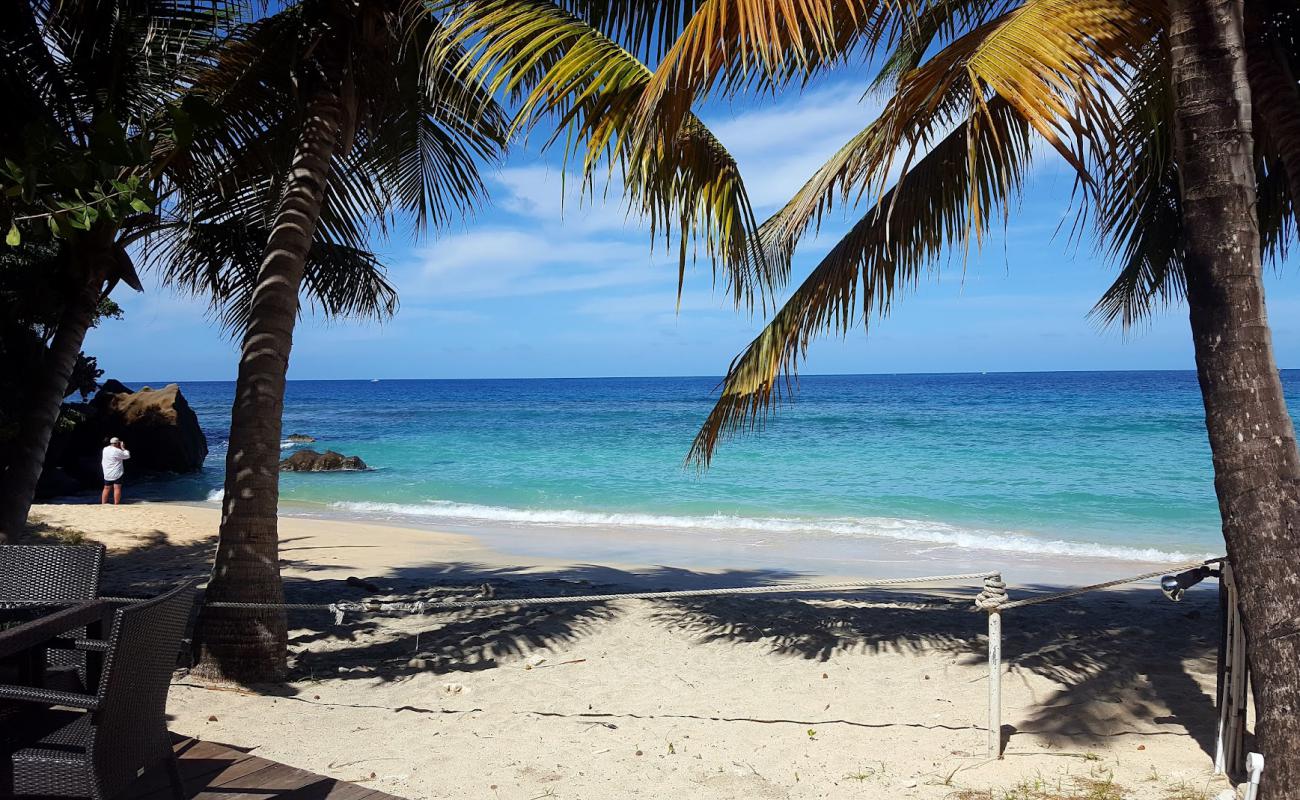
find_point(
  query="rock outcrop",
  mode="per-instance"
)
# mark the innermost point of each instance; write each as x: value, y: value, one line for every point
x: 159, y: 428
x: 300, y: 438
x: 329, y: 461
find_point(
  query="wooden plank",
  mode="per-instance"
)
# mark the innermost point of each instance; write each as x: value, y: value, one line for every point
x: 271, y: 781
x: 200, y: 763
x: 212, y: 771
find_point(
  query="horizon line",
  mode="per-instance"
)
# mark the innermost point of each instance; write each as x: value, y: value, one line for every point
x: 682, y: 377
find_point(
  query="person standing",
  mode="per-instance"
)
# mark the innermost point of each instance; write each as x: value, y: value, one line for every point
x: 111, y: 461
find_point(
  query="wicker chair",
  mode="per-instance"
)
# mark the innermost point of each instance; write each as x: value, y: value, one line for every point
x: 50, y: 572
x: 121, y: 730
x: 57, y: 574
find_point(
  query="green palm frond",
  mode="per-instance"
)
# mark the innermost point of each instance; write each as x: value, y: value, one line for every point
x: 219, y: 260
x: 911, y: 227
x: 563, y: 70
x: 1139, y: 217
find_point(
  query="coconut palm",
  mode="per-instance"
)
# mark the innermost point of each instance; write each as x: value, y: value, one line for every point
x: 354, y: 125
x: 1150, y: 102
x: 369, y: 135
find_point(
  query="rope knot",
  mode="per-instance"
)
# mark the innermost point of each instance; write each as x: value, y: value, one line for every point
x: 993, y: 595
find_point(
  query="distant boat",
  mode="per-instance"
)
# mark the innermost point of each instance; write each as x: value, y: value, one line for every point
x: 374, y: 380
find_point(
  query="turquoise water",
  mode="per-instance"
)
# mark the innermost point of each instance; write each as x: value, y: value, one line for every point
x: 1097, y: 464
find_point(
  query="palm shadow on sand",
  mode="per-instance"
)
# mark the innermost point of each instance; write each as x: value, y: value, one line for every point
x: 1114, y: 671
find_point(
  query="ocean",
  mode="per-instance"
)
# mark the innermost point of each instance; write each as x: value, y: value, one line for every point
x: 1098, y: 465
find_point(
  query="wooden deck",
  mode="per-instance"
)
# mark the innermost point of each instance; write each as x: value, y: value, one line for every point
x: 214, y: 771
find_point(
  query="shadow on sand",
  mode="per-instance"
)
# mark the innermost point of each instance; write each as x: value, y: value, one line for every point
x: 1116, y: 671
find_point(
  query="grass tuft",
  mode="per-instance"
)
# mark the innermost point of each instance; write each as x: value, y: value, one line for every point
x: 45, y: 533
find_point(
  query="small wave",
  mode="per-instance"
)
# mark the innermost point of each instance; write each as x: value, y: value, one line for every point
x: 936, y: 533
x: 215, y: 496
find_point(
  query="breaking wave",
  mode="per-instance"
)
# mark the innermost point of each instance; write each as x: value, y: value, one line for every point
x: 921, y: 531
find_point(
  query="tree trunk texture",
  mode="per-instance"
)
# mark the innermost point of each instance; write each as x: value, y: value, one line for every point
x: 1256, y: 464
x: 50, y: 385
x: 249, y: 645
x: 1275, y: 98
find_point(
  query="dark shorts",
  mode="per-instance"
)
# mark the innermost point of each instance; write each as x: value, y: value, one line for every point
x: 117, y: 482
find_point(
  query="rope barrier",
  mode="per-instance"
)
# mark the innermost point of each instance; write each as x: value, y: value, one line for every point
x: 992, y: 597
x: 1047, y: 598
x: 425, y: 606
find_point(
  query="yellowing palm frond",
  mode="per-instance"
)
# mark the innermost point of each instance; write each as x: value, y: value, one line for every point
x: 560, y: 68
x: 730, y: 44
x: 910, y: 227
x: 1051, y: 60
x: 1058, y: 100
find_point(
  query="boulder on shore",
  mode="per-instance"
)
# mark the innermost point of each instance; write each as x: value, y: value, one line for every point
x: 159, y: 428
x: 329, y: 461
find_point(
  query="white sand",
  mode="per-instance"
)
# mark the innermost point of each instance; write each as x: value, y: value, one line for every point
x: 766, y: 697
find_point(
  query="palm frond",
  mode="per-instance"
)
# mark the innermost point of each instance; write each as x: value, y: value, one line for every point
x: 731, y: 45
x: 1139, y: 215
x: 219, y: 261
x: 909, y: 228
x: 561, y: 69
x: 934, y: 24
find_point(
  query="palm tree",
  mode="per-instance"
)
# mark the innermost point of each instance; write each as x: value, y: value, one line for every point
x: 1151, y: 103
x: 357, y: 124
x: 96, y: 131
x: 410, y: 126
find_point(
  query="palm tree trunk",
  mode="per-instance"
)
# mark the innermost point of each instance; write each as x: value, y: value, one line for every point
x: 249, y: 645
x: 49, y: 387
x: 1256, y: 464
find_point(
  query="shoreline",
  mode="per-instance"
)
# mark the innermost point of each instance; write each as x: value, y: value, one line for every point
x: 688, y: 552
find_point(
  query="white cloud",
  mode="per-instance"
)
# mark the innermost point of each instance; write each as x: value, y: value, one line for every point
x: 510, y: 262
x: 780, y: 146
x: 540, y: 192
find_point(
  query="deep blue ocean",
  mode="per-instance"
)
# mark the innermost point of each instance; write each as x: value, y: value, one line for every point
x: 1097, y: 464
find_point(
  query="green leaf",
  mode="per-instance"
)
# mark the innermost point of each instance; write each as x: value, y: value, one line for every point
x: 141, y: 206
x: 182, y: 128
x: 14, y: 238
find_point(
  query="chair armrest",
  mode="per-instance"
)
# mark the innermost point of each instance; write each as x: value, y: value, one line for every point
x: 49, y: 697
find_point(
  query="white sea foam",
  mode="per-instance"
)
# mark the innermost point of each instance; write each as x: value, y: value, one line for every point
x: 934, y: 533
x: 216, y: 496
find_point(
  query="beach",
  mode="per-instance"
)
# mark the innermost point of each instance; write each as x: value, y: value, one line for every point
x: 772, y: 696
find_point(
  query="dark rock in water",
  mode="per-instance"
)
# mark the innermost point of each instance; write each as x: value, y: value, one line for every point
x: 312, y: 461
x: 300, y: 438
x: 160, y: 430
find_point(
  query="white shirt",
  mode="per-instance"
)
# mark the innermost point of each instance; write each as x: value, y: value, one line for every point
x: 112, y: 463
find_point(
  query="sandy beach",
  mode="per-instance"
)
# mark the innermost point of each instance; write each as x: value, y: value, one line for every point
x: 1106, y: 696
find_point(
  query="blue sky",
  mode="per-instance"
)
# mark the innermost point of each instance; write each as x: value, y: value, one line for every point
x: 537, y: 286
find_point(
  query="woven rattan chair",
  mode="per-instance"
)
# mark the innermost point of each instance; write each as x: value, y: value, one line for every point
x: 54, y: 574
x: 120, y: 731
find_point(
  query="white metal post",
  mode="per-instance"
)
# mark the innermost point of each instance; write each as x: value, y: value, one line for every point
x: 995, y: 683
